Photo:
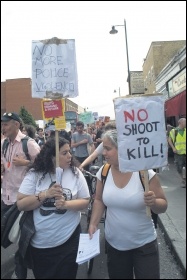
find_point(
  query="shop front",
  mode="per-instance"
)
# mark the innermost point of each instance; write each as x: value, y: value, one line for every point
x: 175, y: 106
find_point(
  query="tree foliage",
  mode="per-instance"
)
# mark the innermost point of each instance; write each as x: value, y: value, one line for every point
x: 27, y: 117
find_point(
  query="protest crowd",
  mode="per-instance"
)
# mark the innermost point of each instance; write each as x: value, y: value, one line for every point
x: 50, y: 193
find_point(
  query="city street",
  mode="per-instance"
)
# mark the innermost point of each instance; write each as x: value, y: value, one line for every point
x: 168, y: 264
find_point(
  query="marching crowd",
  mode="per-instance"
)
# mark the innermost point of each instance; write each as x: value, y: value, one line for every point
x: 29, y: 180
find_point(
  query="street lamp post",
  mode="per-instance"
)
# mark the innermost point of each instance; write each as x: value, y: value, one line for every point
x: 114, y: 31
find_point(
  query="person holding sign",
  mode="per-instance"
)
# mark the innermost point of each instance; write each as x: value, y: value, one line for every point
x: 56, y: 211
x: 131, y: 238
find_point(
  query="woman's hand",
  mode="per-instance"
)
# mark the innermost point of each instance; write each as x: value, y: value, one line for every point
x: 149, y: 198
x: 91, y: 230
x: 54, y: 191
x: 59, y: 202
x: 81, y: 168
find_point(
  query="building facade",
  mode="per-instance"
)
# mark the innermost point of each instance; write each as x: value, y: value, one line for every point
x: 16, y: 93
x: 159, y: 54
x: 171, y: 82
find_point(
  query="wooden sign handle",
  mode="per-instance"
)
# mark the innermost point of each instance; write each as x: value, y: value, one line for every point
x: 146, y: 183
x: 57, y: 147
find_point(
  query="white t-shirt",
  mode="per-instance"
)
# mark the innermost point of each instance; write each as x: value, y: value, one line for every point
x: 127, y: 226
x: 55, y: 229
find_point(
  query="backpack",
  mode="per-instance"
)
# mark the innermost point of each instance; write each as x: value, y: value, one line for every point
x: 24, y: 145
x: 104, y: 175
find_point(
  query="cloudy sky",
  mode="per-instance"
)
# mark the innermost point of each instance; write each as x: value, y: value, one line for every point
x: 101, y: 57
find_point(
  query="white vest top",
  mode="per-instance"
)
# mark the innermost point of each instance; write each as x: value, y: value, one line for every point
x: 127, y: 226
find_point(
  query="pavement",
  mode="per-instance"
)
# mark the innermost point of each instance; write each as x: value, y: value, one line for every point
x: 172, y: 222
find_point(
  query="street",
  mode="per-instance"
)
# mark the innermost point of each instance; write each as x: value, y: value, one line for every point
x: 168, y: 264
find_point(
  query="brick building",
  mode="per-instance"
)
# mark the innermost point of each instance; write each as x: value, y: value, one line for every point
x: 17, y: 92
x: 159, y: 54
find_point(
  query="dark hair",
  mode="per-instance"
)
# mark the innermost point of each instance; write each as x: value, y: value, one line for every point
x: 79, y: 123
x: 31, y: 130
x: 44, y: 161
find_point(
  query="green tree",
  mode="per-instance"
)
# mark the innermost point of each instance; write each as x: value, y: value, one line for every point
x: 27, y: 117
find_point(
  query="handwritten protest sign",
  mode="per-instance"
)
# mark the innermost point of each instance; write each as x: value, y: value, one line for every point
x: 96, y: 116
x: 140, y: 123
x: 54, y: 70
x: 86, y: 117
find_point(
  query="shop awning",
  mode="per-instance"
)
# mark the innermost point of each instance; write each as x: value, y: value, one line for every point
x: 176, y: 105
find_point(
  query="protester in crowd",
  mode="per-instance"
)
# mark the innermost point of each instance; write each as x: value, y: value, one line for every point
x: 92, y: 134
x: 56, y: 209
x: 65, y: 134
x: 169, y: 127
x: 29, y: 130
x: 79, y: 141
x: 98, y: 140
x: 99, y: 133
x: 131, y: 238
x: 41, y: 138
x: 13, y: 166
x: 2, y: 136
x: 99, y: 150
x: 2, y: 167
x: 177, y: 141
x: 70, y: 135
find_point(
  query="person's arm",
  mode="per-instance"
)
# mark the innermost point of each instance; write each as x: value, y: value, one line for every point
x: 92, y: 148
x: 88, y: 160
x: 33, y: 201
x: 91, y: 144
x: 19, y: 161
x: 155, y: 197
x: 170, y: 141
x: 76, y: 144
x: 98, y: 209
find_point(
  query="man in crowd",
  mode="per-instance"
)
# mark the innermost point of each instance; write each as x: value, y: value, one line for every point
x: 13, y: 168
x: 177, y: 141
x: 98, y: 140
x: 41, y: 138
x: 80, y: 140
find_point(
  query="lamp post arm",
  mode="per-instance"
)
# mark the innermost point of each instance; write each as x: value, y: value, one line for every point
x: 117, y: 25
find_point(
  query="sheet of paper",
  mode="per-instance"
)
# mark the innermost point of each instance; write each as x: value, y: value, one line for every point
x: 88, y: 248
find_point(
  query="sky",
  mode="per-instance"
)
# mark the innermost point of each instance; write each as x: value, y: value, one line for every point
x: 101, y: 57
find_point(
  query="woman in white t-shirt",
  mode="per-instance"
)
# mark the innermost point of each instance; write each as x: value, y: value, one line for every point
x: 56, y: 210
x: 130, y: 234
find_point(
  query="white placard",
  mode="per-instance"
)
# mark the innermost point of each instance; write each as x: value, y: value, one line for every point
x: 142, y: 142
x: 54, y: 69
